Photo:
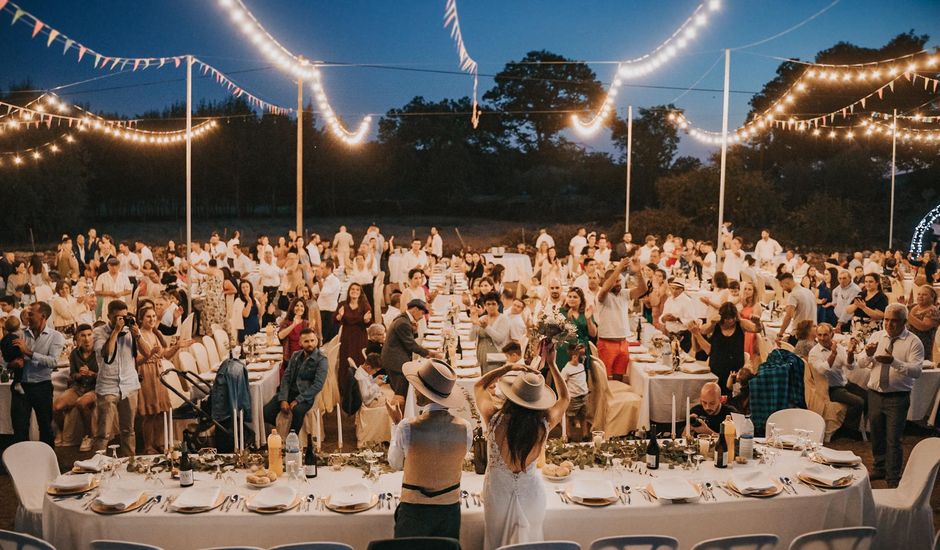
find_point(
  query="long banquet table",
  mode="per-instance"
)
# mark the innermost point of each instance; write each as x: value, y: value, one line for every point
x: 66, y: 525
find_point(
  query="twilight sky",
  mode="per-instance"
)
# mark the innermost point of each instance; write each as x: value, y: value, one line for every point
x: 409, y: 35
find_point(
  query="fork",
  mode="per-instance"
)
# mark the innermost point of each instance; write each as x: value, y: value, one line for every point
x: 790, y: 484
x: 156, y: 500
x: 389, y: 497
x: 561, y: 495
x: 477, y: 499
x: 149, y: 501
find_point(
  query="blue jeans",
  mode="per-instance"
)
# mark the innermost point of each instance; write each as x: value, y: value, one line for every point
x: 273, y: 407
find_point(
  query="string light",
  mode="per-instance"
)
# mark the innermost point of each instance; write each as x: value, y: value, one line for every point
x: 920, y: 231
x: 299, y: 67
x: 646, y: 64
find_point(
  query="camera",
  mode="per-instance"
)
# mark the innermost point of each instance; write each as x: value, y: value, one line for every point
x: 130, y: 320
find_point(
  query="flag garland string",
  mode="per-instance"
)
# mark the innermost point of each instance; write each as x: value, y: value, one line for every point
x: 467, y: 63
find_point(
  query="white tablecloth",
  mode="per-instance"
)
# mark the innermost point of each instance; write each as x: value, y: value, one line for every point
x: 518, y: 266
x: 60, y: 380
x: 67, y: 526
x: 657, y: 392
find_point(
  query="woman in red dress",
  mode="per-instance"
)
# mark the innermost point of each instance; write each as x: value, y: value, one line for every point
x: 289, y: 331
x: 354, y: 316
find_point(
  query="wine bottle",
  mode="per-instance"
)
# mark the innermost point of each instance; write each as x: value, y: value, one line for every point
x: 730, y: 437
x: 721, y: 449
x: 310, y: 459
x: 652, y: 452
x: 459, y: 348
x: 186, y: 465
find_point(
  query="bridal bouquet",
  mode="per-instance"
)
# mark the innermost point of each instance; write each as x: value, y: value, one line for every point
x: 554, y: 328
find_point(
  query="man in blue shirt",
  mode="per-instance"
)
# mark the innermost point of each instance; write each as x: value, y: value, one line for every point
x: 41, y: 346
x: 306, y: 372
x: 116, y: 389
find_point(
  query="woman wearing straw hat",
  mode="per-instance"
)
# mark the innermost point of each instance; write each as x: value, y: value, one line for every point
x: 430, y: 448
x: 513, y: 494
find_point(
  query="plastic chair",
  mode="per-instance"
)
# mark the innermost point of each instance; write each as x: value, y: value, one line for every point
x: 903, y: 515
x: 212, y: 349
x: 313, y: 546
x: 654, y: 542
x: 233, y: 548
x: 221, y: 341
x: 175, y: 400
x: 187, y: 362
x: 198, y: 350
x: 848, y: 538
x: 415, y: 543
x: 32, y: 466
x: 121, y: 545
x: 546, y: 545
x: 10, y: 540
x: 789, y: 420
x: 743, y: 542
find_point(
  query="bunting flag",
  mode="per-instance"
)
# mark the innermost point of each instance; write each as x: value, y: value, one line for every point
x: 68, y: 44
x: 236, y: 90
x: 467, y: 63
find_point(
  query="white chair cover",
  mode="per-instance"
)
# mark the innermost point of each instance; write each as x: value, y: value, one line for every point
x: 788, y: 420
x: 848, y: 538
x: 202, y: 357
x: 221, y: 342
x: 212, y: 350
x: 120, y: 545
x: 635, y: 542
x: 903, y: 516
x: 187, y: 362
x: 545, y: 545
x: 10, y: 540
x: 173, y: 380
x: 313, y: 546
x: 32, y: 466
x: 742, y: 542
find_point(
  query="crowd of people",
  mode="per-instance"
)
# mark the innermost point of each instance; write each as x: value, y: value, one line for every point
x: 124, y: 309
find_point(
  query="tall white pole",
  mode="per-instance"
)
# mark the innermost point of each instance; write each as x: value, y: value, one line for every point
x: 894, y: 151
x: 300, y: 158
x: 189, y: 176
x: 629, y: 166
x: 724, y: 153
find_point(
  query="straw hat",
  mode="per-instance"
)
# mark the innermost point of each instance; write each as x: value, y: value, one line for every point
x: 435, y: 379
x: 528, y: 390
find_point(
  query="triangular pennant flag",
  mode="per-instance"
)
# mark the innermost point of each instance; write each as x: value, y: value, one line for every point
x: 863, y: 102
x: 70, y: 122
x: 136, y: 64
x: 926, y: 82
x: 52, y: 34
x: 2, y: 4
x: 891, y: 85
x: 852, y: 108
x: 16, y: 16
x: 146, y: 63
x: 37, y: 26
x: 176, y: 60
x: 843, y: 112
x: 97, y: 56
x: 935, y: 82
x: 205, y: 69
x: 907, y: 75
x: 832, y: 117
x: 162, y: 62
x: 116, y: 61
x: 49, y: 122
x: 881, y: 92
x: 68, y: 44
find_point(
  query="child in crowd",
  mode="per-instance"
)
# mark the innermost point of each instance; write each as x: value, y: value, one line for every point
x: 12, y: 355
x: 575, y: 378
x: 513, y: 353
x: 371, y: 384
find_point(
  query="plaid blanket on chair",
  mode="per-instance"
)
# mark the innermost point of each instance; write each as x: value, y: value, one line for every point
x: 778, y: 385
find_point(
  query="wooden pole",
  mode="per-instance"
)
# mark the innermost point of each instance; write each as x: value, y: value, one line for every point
x: 300, y: 158
x: 724, y: 153
x: 189, y: 176
x: 626, y: 217
x: 894, y: 152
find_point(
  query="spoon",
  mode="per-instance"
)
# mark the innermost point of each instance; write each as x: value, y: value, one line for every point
x: 626, y: 491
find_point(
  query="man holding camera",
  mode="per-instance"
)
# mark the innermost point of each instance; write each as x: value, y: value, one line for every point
x: 116, y: 390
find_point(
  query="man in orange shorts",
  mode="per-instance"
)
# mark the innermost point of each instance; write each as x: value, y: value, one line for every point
x: 612, y: 316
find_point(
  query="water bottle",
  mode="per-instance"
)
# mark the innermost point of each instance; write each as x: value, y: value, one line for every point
x: 747, y: 439
x: 292, y: 454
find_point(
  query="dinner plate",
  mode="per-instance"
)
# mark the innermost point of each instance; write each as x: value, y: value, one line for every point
x: 594, y: 502
x: 278, y: 509
x: 816, y: 483
x: 778, y: 488
x: 355, y: 508
x: 820, y: 460
x: 696, y: 486
x: 260, y: 485
x: 66, y: 492
x: 110, y: 511
x: 556, y: 479
x: 222, y: 498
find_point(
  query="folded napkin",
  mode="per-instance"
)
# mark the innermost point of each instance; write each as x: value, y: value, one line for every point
x: 94, y: 464
x: 788, y: 440
x: 674, y: 489
x: 592, y: 488
x: 838, y: 457
x: 640, y: 348
x: 69, y: 482
x: 274, y: 349
x: 351, y: 495
x: 466, y: 362
x: 278, y: 496
x: 119, y: 498
x: 694, y: 368
x: 272, y: 356
x: 198, y: 497
x: 752, y: 482
x: 428, y: 336
x: 642, y: 357
x: 826, y: 475
x: 259, y: 367
x: 470, y: 372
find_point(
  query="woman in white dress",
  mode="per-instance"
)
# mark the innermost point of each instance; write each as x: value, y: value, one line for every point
x: 513, y: 494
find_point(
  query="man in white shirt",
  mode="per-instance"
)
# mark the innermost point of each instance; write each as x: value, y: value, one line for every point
x: 625, y: 247
x: 766, y: 250
x: 217, y: 248
x: 895, y: 357
x: 801, y: 304
x: 842, y: 297
x: 393, y: 311
x: 328, y: 299
x: 241, y: 262
x: 342, y: 244
x: 800, y: 267
x: 577, y: 243
x: 647, y: 249
x: 590, y: 266
x: 554, y: 301
x: 831, y: 360
x: 143, y: 252
x: 130, y: 263
x: 734, y: 260
x: 678, y: 312
x: 602, y: 254
x: 312, y: 251
x: 112, y: 285
x: 613, y: 318
x: 198, y: 256
x: 709, y: 261
x: 270, y: 274
x: 544, y: 237
x: 435, y: 243
x: 232, y: 244
x: 414, y: 257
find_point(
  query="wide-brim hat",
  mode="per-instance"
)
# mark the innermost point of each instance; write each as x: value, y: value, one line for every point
x: 434, y: 379
x: 676, y: 283
x: 529, y: 391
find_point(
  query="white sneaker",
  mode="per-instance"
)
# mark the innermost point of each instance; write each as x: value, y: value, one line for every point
x: 86, y: 444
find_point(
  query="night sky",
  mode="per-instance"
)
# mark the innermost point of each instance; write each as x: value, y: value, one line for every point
x: 409, y: 35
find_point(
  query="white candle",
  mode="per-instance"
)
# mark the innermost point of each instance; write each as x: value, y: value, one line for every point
x: 673, y: 416
x: 172, y: 435
x: 688, y: 417
x: 241, y: 429
x: 235, y: 427
x: 166, y: 432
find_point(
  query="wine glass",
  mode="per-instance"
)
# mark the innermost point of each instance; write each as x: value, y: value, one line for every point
x: 801, y: 440
x: 689, y: 453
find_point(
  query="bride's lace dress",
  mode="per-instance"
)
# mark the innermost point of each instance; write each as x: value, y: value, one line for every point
x: 514, y: 503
